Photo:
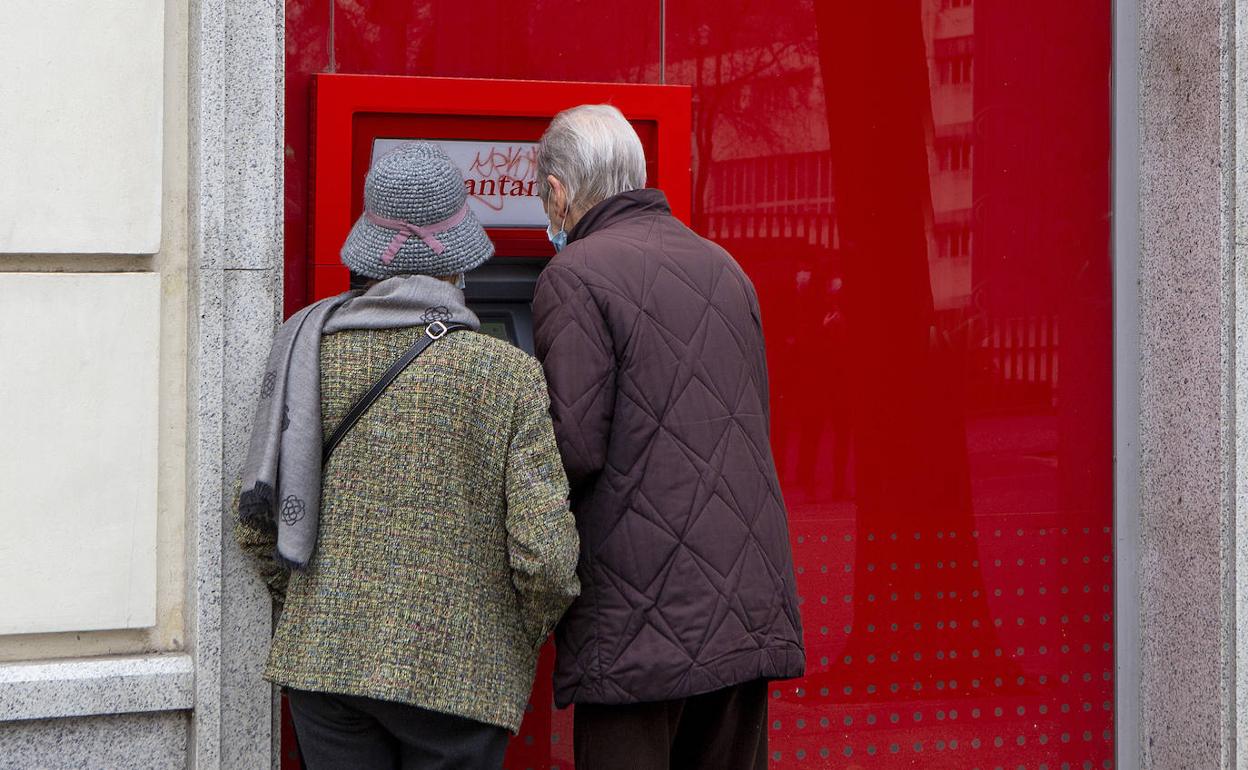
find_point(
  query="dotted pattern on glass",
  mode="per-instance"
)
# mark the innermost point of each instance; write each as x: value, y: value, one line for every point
x: 981, y: 649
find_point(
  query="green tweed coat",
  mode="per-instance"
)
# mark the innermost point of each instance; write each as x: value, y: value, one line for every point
x: 446, y: 550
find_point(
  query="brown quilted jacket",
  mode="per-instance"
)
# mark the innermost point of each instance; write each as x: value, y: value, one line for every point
x: 653, y: 349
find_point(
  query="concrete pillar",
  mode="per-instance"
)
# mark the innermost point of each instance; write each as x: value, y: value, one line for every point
x: 236, y: 285
x: 1177, y: 700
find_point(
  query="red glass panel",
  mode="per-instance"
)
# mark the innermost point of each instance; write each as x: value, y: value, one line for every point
x: 532, y: 40
x: 920, y: 191
x: 307, y: 53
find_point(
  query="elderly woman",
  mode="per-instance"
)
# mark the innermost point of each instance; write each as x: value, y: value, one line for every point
x: 404, y: 497
x: 653, y: 346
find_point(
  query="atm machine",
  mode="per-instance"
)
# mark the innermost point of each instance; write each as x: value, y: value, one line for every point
x: 489, y: 128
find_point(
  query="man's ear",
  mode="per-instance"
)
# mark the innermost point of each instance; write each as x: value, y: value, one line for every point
x: 558, y: 195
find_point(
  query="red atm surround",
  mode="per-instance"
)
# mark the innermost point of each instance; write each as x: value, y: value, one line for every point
x: 353, y: 110
x: 350, y: 111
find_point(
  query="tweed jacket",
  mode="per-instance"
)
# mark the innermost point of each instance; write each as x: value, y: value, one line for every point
x: 446, y: 550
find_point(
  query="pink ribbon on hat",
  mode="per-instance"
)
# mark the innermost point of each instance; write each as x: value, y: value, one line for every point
x: 405, y: 230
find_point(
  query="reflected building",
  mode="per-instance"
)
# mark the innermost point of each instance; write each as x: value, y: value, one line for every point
x: 949, y: 41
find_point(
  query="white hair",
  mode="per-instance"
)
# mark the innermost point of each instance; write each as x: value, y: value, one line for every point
x: 594, y: 152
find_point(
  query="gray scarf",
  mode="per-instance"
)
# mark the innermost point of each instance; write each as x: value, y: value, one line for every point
x: 282, y: 477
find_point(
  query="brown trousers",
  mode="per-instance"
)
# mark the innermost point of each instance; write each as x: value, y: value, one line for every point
x: 721, y: 730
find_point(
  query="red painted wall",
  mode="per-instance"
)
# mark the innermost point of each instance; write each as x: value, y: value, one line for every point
x: 920, y: 191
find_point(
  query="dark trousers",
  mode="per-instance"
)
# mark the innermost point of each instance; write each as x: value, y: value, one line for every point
x: 344, y: 731
x: 721, y: 730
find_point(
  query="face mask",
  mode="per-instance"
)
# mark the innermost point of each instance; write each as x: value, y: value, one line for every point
x: 559, y: 239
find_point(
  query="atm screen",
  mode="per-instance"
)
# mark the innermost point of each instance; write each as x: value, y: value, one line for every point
x: 499, y: 292
x: 497, y: 329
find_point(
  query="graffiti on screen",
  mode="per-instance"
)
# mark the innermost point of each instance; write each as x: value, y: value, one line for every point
x: 501, y: 172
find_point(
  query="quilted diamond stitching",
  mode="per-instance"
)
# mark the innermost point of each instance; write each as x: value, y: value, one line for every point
x: 706, y: 452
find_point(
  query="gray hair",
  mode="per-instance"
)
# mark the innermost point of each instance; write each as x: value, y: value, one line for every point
x: 594, y: 152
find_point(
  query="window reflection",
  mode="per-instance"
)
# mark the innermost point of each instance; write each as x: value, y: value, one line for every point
x: 880, y: 170
x: 919, y: 189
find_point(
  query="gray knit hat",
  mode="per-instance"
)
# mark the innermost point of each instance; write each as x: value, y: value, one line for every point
x: 416, y: 218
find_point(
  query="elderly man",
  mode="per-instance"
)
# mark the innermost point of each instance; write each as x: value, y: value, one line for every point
x: 653, y: 350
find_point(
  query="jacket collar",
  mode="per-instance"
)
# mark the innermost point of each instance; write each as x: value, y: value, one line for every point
x: 619, y: 208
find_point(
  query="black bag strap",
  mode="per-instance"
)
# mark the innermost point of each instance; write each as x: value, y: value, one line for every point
x: 434, y: 332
